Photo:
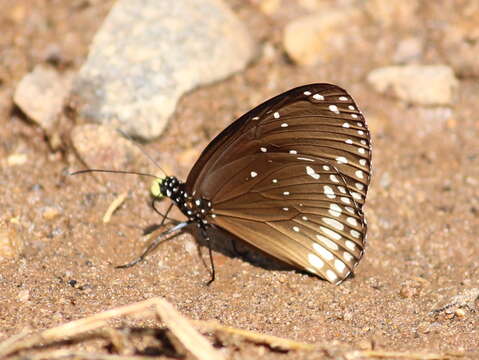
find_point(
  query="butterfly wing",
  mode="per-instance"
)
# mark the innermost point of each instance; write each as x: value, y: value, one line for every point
x: 308, y: 151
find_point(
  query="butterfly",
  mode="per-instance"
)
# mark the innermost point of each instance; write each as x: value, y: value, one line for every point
x: 289, y: 177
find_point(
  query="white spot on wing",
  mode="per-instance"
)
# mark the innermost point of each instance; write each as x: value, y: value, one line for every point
x: 276, y: 115
x: 339, y: 265
x: 318, y: 97
x: 361, y: 151
x: 315, y: 261
x: 335, y: 210
x: 293, y: 152
x: 331, y: 244
x: 341, y: 160
x: 253, y: 174
x: 332, y: 234
x: 263, y: 149
x: 307, y: 93
x: 306, y: 159
x: 333, y: 178
x: 349, y: 141
x: 346, y: 200
x: 325, y: 254
x: 331, y: 275
x: 328, y: 191
x: 310, y: 171
x: 347, y: 256
x: 284, y: 125
x: 352, y: 221
x: 295, y: 228
x: 355, y: 234
x: 333, y: 108
x: 343, y: 98
x: 362, y: 162
x: 359, y: 174
x: 286, y: 193
x: 334, y: 223
x: 350, y: 245
x: 356, y: 196
x: 346, y: 125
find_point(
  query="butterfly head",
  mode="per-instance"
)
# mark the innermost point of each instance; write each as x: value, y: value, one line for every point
x: 165, y: 186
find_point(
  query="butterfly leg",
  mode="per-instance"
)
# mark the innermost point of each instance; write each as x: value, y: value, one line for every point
x: 207, y: 239
x: 160, y: 239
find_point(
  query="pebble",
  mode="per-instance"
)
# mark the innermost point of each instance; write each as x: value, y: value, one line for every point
x: 17, y: 159
x: 11, y: 243
x: 460, y: 313
x: 101, y: 147
x: 458, y: 39
x: 41, y: 95
x: 416, y: 84
x: 50, y: 213
x: 148, y: 53
x: 408, y: 50
x: 396, y: 14
x: 23, y: 295
x: 322, y: 36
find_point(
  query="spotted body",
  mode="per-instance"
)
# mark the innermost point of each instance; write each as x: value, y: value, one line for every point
x: 195, y: 209
x: 290, y: 177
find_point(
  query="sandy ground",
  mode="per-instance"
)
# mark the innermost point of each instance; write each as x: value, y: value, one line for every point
x: 422, y: 210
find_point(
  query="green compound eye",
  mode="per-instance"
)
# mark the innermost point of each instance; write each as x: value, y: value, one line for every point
x: 155, y: 188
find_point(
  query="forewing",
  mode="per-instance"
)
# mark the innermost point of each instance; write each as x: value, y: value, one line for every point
x: 319, y: 120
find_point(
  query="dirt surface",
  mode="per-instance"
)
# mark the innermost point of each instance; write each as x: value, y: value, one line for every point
x: 422, y: 208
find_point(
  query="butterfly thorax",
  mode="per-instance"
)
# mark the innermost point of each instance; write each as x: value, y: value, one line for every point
x: 194, y: 208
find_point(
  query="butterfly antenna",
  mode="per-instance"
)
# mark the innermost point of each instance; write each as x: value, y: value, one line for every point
x: 124, y: 134
x: 112, y: 171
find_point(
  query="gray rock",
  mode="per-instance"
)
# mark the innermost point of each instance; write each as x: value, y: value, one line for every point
x: 148, y: 53
x: 417, y: 84
x: 41, y: 95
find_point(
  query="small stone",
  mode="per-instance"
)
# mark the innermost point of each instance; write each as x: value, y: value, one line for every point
x: 17, y: 159
x: 23, y: 295
x: 101, y: 147
x: 269, y: 7
x: 365, y: 344
x: 323, y: 36
x: 41, y: 94
x: 393, y: 13
x: 11, y: 243
x: 458, y: 39
x: 50, y: 213
x: 417, y: 84
x: 408, y: 50
x: 148, y: 53
x: 460, y: 313
x: 190, y: 247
